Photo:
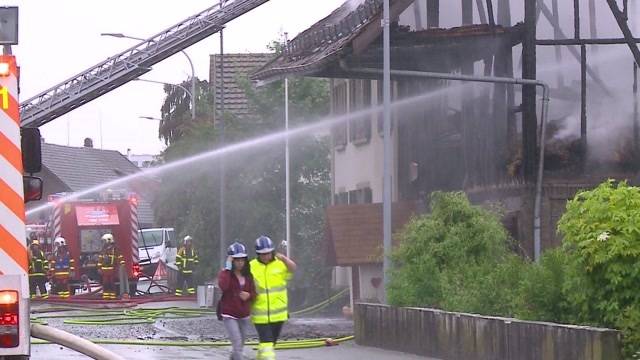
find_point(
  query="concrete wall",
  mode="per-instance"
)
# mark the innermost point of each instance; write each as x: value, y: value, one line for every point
x: 447, y: 335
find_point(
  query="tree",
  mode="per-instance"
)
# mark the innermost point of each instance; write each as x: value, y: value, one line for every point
x: 176, y: 109
x: 255, y: 192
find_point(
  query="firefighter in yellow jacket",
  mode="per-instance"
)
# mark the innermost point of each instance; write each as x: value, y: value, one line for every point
x: 108, y: 262
x: 61, y: 267
x: 38, y: 269
x: 271, y: 271
x: 186, y: 261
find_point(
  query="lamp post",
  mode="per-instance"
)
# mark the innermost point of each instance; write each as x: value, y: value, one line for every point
x: 286, y: 157
x: 193, y: 72
x: 169, y: 84
x: 386, y: 182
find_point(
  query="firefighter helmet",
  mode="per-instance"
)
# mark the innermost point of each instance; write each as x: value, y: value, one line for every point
x: 237, y: 250
x: 59, y: 241
x: 35, y: 242
x: 187, y: 238
x: 264, y: 245
x: 108, y: 238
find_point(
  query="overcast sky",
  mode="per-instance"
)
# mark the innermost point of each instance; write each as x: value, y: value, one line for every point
x: 61, y: 38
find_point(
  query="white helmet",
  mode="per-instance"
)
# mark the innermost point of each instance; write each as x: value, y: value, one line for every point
x: 108, y: 238
x: 187, y: 238
x: 59, y: 241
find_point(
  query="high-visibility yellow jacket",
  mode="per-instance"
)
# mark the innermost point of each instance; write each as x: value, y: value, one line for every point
x: 271, y: 303
x: 186, y: 260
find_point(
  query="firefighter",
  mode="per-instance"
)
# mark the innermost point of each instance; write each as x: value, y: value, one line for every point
x: 186, y: 260
x: 38, y: 269
x: 271, y: 271
x: 108, y: 261
x: 61, y: 267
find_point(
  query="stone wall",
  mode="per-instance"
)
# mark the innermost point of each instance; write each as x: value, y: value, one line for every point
x: 446, y: 335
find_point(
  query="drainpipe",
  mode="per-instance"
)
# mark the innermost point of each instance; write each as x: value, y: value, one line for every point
x: 491, y: 79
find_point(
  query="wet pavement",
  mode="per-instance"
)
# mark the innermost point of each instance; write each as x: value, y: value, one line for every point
x: 203, y: 328
x: 344, y: 351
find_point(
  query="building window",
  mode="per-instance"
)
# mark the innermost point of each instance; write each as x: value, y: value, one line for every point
x: 360, y: 99
x: 341, y: 198
x: 361, y: 196
x: 339, y: 130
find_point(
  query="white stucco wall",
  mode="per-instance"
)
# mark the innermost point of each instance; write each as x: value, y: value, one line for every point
x: 367, y: 290
x: 359, y: 166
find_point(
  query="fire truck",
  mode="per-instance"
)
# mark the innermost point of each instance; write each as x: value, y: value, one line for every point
x: 82, y: 223
x: 19, y: 154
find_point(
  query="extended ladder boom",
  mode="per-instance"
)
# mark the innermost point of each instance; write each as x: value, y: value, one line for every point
x: 130, y: 64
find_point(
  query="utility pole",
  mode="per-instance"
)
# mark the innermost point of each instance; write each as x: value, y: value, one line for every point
x: 386, y: 182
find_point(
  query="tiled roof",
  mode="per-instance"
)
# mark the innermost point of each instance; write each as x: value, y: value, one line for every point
x: 235, y: 65
x: 324, y: 40
x: 352, y: 30
x: 81, y: 168
x: 354, y: 232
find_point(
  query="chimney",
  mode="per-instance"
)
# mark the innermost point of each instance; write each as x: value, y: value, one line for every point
x: 88, y: 142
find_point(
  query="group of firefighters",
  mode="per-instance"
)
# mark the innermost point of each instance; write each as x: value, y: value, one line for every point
x: 59, y: 268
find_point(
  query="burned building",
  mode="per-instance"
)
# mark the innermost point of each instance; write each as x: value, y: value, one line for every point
x: 484, y: 139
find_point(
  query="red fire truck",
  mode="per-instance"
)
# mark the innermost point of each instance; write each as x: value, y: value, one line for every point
x: 83, y: 222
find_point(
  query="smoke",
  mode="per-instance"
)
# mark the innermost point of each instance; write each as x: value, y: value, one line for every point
x: 353, y: 4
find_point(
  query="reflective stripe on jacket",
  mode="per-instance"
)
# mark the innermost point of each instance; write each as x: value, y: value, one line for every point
x: 186, y: 260
x: 107, y: 259
x: 271, y: 304
x: 38, y: 264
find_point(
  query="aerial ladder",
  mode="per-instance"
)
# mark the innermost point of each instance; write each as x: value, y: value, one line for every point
x: 129, y: 64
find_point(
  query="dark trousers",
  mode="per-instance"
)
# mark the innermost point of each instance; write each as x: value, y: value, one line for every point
x: 61, y: 286
x: 182, y: 278
x: 109, y: 284
x: 269, y: 332
x: 37, y: 282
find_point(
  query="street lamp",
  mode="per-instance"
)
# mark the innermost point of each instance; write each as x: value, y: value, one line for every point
x: 169, y: 84
x: 193, y: 72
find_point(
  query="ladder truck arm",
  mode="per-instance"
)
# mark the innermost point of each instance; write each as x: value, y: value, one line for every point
x: 128, y: 65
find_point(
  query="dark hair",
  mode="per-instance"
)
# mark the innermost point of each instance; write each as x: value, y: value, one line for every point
x: 246, y: 270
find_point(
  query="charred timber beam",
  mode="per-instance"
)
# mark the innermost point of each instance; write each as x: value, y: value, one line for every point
x: 529, y: 123
x: 576, y: 19
x: 433, y: 13
x: 570, y: 42
x: 481, y: 14
x: 583, y: 97
x: 492, y: 20
x: 621, y: 19
x: 575, y: 53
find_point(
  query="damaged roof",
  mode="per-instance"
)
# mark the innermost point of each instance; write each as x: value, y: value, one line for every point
x: 350, y: 30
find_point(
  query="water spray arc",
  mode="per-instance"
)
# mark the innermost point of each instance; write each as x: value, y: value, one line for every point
x: 493, y: 79
x: 319, y: 126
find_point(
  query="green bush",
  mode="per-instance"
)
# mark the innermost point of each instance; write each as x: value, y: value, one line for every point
x: 601, y: 231
x: 455, y: 258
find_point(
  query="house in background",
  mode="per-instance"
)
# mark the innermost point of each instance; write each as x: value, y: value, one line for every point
x: 228, y: 70
x: 480, y: 139
x: 73, y: 169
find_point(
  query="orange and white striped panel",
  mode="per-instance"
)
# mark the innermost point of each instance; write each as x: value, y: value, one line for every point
x: 13, y: 247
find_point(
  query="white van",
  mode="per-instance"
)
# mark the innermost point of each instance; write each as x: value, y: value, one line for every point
x: 156, y: 244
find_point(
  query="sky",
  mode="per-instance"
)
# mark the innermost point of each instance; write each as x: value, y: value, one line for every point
x: 61, y: 38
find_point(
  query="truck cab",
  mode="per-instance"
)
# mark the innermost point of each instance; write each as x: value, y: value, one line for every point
x: 156, y: 244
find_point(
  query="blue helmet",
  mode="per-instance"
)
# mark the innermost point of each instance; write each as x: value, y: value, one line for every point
x: 264, y: 245
x: 237, y: 250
